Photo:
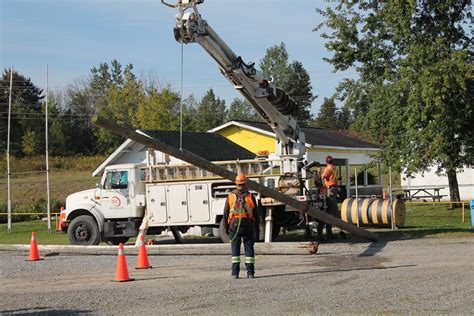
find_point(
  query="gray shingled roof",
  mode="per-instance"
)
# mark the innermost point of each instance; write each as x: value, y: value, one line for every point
x: 321, y: 137
x: 210, y: 146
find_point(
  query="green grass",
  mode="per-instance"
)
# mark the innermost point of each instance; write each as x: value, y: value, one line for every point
x: 28, y: 182
x: 438, y: 216
x: 421, y: 221
x: 437, y: 221
x: 21, y: 234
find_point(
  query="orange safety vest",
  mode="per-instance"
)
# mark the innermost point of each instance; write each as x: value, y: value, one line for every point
x: 330, y: 176
x: 241, y: 206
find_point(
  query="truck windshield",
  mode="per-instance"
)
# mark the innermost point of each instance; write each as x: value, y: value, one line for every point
x: 116, y: 180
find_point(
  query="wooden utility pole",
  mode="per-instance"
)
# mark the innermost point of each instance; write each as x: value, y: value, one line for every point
x: 9, y: 198
x: 47, y: 156
x: 204, y: 164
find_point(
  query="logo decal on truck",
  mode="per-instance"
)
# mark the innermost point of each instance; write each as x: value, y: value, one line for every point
x: 116, y: 201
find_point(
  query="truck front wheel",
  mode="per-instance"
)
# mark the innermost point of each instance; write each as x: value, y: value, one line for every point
x: 83, y: 230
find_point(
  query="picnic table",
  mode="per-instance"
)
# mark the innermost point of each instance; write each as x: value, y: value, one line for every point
x: 421, y: 192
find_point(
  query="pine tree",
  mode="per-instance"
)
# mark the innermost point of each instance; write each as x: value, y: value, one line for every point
x: 327, y: 116
x: 292, y: 78
x: 210, y: 113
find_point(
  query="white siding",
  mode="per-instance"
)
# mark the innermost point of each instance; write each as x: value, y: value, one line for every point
x: 355, y: 158
x: 430, y: 178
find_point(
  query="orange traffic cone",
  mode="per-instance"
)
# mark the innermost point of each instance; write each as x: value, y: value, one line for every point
x: 34, y: 254
x: 121, y: 271
x: 142, y: 262
x: 62, y: 217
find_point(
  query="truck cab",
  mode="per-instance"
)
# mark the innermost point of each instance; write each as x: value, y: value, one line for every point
x: 111, y: 212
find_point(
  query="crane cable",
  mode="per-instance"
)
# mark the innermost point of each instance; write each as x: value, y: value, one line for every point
x: 182, y: 83
x: 181, y: 100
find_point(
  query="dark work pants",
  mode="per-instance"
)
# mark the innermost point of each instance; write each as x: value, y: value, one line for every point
x: 246, y: 232
x: 332, y: 207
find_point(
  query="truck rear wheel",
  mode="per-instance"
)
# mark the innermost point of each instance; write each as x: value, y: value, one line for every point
x: 222, y: 232
x: 83, y: 230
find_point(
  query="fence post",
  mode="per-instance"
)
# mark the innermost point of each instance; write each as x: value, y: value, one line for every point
x: 471, y: 203
x: 391, y: 197
x: 357, y: 197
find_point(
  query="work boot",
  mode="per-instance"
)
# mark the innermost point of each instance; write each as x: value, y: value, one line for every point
x: 250, y: 275
x: 342, y: 234
x: 235, y: 276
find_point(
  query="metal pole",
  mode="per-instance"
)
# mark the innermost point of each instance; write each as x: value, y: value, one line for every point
x: 357, y: 197
x: 224, y: 173
x: 47, y: 158
x: 391, y: 198
x: 268, y: 225
x: 9, y: 200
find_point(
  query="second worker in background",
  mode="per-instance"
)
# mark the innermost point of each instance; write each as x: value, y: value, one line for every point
x: 242, y: 222
x: 330, y: 177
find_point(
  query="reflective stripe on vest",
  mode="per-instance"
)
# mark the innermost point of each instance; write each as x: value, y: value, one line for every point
x: 240, y: 211
x: 330, y: 176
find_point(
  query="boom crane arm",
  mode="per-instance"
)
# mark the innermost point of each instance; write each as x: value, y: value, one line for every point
x: 270, y: 102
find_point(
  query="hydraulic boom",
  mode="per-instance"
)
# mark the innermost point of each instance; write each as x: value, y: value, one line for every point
x: 270, y: 102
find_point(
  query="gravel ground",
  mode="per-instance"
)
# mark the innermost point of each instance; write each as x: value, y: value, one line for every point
x: 430, y: 275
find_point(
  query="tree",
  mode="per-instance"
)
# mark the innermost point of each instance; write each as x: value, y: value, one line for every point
x: 210, y: 113
x: 79, y: 107
x: 116, y: 96
x: 190, y: 106
x: 25, y: 112
x: 274, y: 64
x: 415, y: 89
x: 292, y: 78
x: 328, y: 115
x: 157, y: 110
x: 344, y: 118
x: 241, y: 110
x: 299, y: 88
x: 29, y: 143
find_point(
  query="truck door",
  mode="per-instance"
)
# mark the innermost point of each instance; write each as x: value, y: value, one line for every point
x: 114, y: 196
x: 177, y: 203
x: 199, y: 203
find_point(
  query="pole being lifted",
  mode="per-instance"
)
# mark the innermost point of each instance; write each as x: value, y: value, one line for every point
x: 9, y: 199
x: 204, y: 164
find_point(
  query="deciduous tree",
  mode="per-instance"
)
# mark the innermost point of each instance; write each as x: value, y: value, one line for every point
x: 415, y: 89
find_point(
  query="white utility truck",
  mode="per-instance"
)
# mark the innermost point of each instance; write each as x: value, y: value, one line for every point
x: 173, y: 197
x: 180, y: 196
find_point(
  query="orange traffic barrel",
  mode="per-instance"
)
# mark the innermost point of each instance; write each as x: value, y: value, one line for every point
x: 373, y: 212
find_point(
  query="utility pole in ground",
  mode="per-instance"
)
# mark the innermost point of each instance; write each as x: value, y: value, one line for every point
x: 47, y: 158
x: 9, y: 199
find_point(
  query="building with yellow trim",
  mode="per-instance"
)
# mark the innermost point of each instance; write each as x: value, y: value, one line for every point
x: 347, y: 151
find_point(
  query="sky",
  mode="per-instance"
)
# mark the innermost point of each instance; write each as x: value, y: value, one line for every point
x: 72, y: 36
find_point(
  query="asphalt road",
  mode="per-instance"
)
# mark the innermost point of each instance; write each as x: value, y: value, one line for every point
x: 429, y: 275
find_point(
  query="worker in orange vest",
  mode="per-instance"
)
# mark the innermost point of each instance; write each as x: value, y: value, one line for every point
x: 330, y: 176
x: 241, y: 221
